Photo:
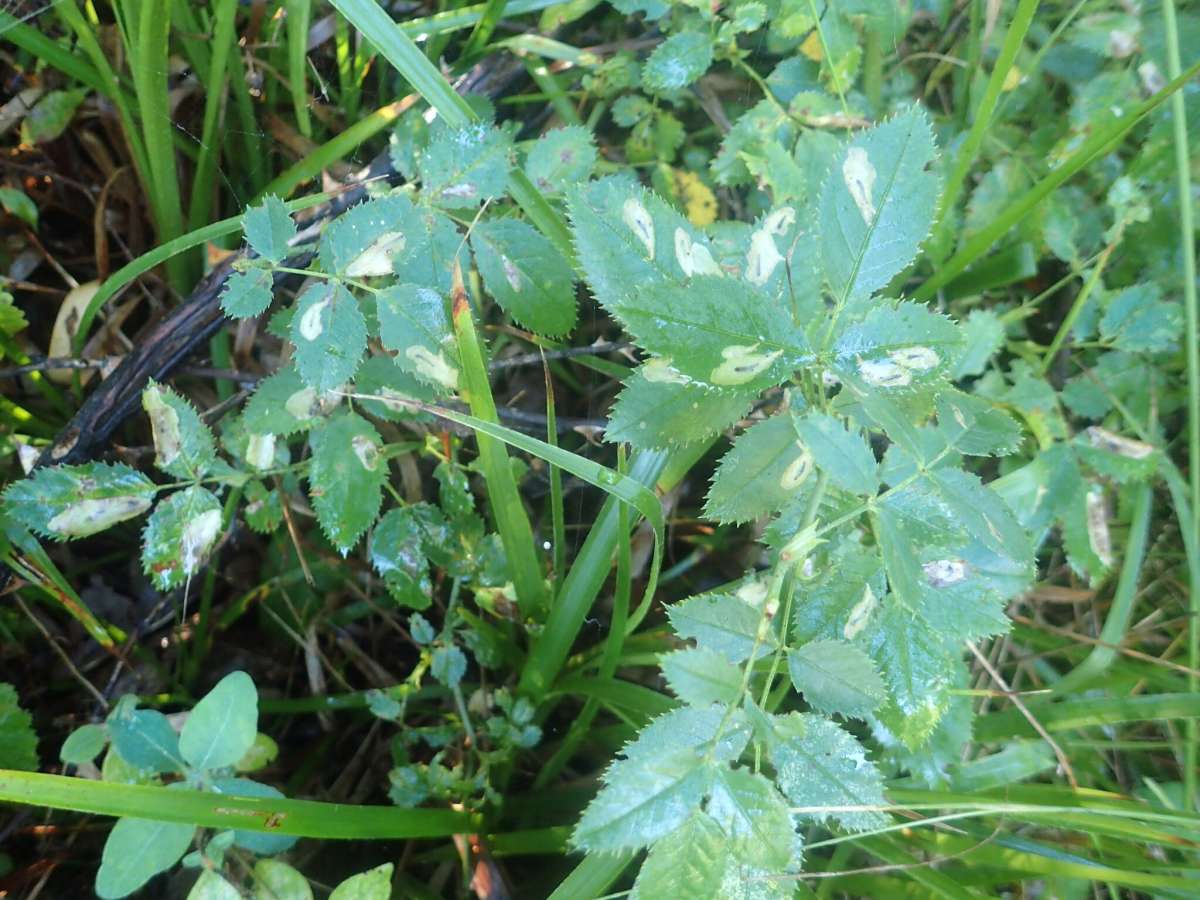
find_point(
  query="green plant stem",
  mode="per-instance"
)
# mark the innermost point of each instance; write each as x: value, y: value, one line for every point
x: 504, y: 496
x: 1099, y: 143
x: 1116, y: 623
x: 1077, y: 307
x: 302, y: 818
x: 1192, y: 343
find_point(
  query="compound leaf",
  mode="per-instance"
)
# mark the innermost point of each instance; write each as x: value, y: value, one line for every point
x: 282, y: 404
x: 659, y: 409
x: 66, y: 502
x: 247, y: 294
x: 561, y: 157
x: 755, y: 819
x: 700, y: 676
x: 836, y: 677
x: 526, y: 274
x: 367, y: 239
x: 269, y: 228
x: 463, y: 166
x: 414, y: 323
x: 688, y: 862
x: 330, y: 335
x: 763, y: 471
x: 179, y: 536
x: 720, y: 622
x: 677, y: 62
x: 397, y: 557
x: 878, y: 204
x: 817, y: 765
x: 18, y: 743
x: 843, y: 455
x: 183, y: 444
x: 346, y: 478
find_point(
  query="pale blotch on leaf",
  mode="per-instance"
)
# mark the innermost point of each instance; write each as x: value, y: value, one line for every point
x: 742, y: 363
x: 694, y: 258
x: 1099, y: 537
x: 311, y: 325
x: 635, y: 215
x: 260, y: 450
x: 377, y: 258
x: 860, y: 614
x: 1103, y: 439
x: 915, y: 359
x: 164, y: 423
x: 511, y: 273
x: 394, y: 400
x: 433, y: 366
x: 944, y: 572
x: 779, y: 221
x: 884, y: 373
x: 859, y: 175
x: 464, y: 191
x: 198, y: 536
x: 366, y: 451
x: 798, y: 470
x: 763, y: 257
x: 91, y: 516
x: 658, y: 370
x: 301, y: 404
x: 753, y: 593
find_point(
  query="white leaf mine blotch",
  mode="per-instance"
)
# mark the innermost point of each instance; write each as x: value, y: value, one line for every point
x: 884, y: 373
x: 197, y: 538
x: 1099, y: 537
x: 164, y: 424
x: 944, y: 572
x: 916, y: 359
x: 779, y: 221
x: 511, y: 273
x: 859, y: 176
x: 763, y: 257
x: 91, y: 516
x: 742, y: 363
x: 366, y: 450
x: 301, y: 404
x: 260, y: 450
x: 433, y: 366
x: 377, y: 258
x: 1103, y: 439
x: 798, y: 470
x: 635, y: 215
x: 860, y: 614
x: 658, y: 370
x: 311, y: 326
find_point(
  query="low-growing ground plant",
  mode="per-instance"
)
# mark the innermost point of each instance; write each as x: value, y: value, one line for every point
x: 823, y: 291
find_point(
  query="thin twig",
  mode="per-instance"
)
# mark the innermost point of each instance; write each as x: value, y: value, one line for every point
x: 62, y: 654
x: 1020, y: 704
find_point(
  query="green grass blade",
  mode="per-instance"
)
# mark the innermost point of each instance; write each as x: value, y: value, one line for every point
x: 336, y: 148
x: 1192, y: 343
x: 1092, y: 149
x: 299, y: 17
x: 302, y: 818
x: 593, y: 876
x: 504, y: 496
x: 161, y: 254
x: 51, y: 52
x: 1087, y: 712
x: 398, y: 49
x: 149, y: 57
x: 493, y: 11
x: 203, y: 182
x: 1014, y: 38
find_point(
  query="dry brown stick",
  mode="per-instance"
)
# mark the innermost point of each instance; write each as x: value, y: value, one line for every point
x: 1063, y: 762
